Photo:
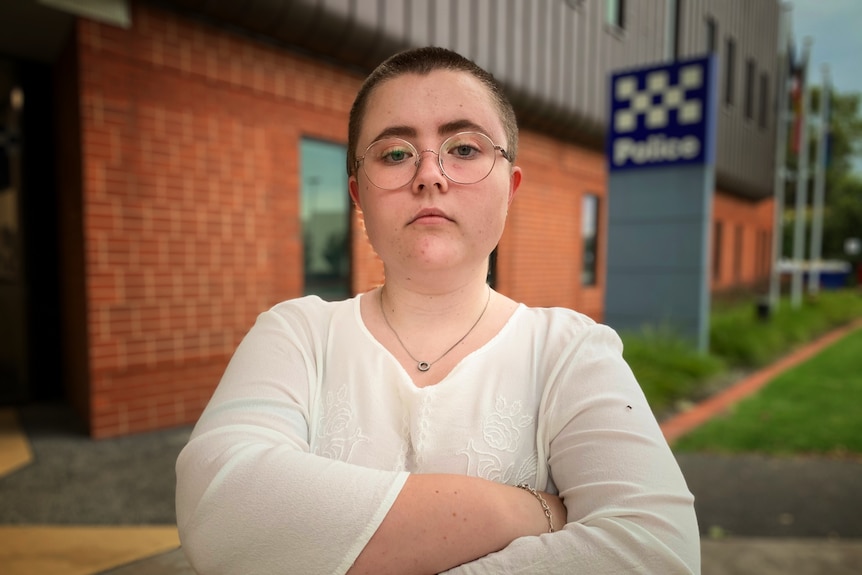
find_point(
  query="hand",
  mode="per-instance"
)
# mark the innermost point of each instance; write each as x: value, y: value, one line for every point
x: 559, y: 512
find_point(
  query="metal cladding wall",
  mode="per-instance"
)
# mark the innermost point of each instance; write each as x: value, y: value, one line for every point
x: 745, y: 161
x: 553, y: 56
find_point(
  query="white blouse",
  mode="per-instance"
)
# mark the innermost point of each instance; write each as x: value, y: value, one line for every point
x: 315, y: 427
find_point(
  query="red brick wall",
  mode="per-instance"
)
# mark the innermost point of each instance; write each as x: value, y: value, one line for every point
x: 191, y: 213
x: 541, y: 251
x: 190, y: 196
x: 748, y: 266
x: 190, y: 141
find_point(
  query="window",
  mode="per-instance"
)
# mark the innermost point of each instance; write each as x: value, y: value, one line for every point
x: 589, y: 235
x: 765, y: 261
x: 615, y: 12
x: 711, y: 35
x: 325, y: 214
x: 763, y: 111
x: 716, y: 251
x: 737, y: 254
x: 729, y: 70
x: 749, y: 88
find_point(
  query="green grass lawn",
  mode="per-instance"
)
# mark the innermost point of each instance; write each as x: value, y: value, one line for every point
x: 815, y: 408
x: 672, y: 372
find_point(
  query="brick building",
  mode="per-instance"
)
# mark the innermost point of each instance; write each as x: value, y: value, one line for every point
x: 173, y: 172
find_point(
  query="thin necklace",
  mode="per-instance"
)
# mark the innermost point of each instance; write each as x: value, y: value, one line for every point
x: 426, y: 365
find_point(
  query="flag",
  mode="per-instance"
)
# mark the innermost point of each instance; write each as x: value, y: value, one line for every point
x: 826, y: 100
x: 799, y: 83
x: 796, y: 90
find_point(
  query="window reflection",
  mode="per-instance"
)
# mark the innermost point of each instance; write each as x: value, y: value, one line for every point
x: 589, y: 234
x: 325, y: 213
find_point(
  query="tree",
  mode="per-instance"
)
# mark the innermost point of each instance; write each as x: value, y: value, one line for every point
x: 842, y: 218
x: 843, y: 198
x: 845, y: 141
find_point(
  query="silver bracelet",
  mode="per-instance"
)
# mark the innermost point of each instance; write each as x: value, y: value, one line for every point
x: 544, y: 503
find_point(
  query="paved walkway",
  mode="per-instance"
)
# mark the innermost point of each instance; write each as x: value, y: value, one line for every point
x: 677, y: 426
x: 73, y: 506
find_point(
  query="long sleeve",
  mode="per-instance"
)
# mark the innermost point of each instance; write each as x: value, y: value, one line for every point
x: 629, y: 509
x: 251, y: 497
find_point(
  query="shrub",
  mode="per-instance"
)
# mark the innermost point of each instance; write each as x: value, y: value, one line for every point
x: 669, y: 367
x: 742, y: 339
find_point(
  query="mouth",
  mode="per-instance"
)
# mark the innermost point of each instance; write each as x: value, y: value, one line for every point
x: 430, y: 215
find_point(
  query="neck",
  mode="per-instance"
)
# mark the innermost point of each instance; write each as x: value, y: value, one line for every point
x: 409, y: 302
x: 421, y: 288
x: 423, y: 361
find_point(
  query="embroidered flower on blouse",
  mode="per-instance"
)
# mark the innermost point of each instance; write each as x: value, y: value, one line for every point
x: 337, y: 436
x: 502, y: 429
x: 503, y: 457
x: 488, y: 465
x: 336, y: 420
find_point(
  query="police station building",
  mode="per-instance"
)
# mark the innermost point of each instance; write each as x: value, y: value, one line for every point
x: 170, y: 168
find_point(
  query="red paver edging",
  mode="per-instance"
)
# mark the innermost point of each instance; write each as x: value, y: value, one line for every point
x: 684, y: 422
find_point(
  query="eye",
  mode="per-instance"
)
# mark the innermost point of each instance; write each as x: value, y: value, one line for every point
x: 392, y: 153
x: 465, y: 147
x: 464, y: 151
x: 396, y: 155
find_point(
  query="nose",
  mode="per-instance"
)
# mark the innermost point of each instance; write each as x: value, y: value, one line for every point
x: 428, y: 172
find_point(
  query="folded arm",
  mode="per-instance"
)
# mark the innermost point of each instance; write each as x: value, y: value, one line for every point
x: 629, y: 509
x: 251, y: 497
x: 440, y: 521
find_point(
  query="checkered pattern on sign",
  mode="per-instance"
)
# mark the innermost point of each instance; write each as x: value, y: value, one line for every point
x: 657, y: 99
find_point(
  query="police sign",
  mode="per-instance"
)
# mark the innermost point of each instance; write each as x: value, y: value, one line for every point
x: 662, y: 115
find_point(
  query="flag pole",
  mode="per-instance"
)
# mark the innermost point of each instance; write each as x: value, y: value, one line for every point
x: 819, y: 186
x: 801, y: 182
x: 781, y: 121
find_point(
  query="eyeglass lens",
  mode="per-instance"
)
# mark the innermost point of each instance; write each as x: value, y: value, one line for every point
x: 464, y: 158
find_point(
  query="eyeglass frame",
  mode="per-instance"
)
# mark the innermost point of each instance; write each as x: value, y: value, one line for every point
x: 496, y: 147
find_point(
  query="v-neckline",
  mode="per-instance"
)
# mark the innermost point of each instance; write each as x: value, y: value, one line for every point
x: 405, y: 375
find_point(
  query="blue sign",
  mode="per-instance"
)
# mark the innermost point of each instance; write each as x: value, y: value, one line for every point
x: 662, y: 115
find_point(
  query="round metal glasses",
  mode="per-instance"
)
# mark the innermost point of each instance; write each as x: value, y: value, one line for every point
x: 465, y: 158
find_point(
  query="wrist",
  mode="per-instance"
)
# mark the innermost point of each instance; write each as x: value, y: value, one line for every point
x: 545, y: 507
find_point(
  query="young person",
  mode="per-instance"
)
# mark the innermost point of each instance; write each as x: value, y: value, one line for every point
x: 432, y: 424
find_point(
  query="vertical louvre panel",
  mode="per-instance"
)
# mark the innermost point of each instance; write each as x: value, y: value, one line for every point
x: 556, y: 58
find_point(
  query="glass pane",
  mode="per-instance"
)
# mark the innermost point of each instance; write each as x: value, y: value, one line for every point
x: 750, y: 71
x: 589, y: 234
x: 730, y: 70
x: 711, y: 36
x: 613, y: 12
x: 716, y: 251
x: 325, y: 213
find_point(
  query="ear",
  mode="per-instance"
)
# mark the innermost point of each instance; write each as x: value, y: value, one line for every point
x: 353, y: 188
x: 514, y: 182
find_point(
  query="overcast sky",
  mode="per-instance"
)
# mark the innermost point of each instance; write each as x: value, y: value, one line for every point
x: 836, y: 28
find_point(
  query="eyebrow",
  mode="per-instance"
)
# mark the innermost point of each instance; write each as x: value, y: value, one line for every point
x: 446, y: 129
x: 461, y: 126
x: 396, y: 132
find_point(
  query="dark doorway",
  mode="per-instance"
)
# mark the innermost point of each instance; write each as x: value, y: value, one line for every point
x: 30, y: 363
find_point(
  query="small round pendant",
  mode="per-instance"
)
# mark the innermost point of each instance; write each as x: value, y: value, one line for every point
x: 423, y: 366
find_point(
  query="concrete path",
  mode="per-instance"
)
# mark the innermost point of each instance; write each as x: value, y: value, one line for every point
x: 753, y: 556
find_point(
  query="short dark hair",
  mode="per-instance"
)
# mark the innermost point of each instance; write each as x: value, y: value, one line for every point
x: 423, y: 61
